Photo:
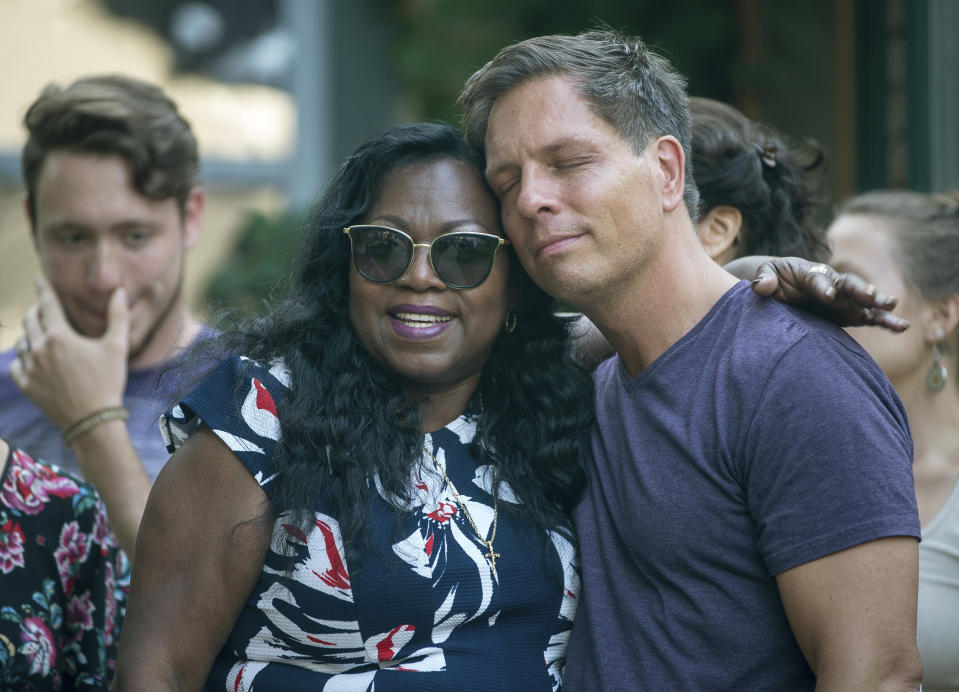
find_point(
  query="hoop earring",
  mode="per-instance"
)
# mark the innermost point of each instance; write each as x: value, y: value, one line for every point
x: 936, y: 379
x: 510, y: 325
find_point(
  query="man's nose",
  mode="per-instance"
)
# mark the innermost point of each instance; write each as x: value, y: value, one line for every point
x: 536, y: 194
x: 105, y: 271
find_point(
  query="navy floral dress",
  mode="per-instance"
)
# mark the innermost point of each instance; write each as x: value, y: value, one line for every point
x: 63, y: 581
x: 425, y: 611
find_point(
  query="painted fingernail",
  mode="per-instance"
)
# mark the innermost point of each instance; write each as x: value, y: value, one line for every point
x: 871, y: 290
x: 830, y: 292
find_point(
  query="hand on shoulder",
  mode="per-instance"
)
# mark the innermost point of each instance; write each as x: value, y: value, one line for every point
x: 843, y: 297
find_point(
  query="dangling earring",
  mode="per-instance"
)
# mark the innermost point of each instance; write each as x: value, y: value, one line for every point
x: 936, y: 379
x: 510, y: 322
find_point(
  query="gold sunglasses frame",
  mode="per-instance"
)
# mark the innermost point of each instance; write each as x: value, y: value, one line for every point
x: 501, y: 242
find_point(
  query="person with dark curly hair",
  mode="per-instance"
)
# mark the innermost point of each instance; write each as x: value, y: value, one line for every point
x: 409, y: 527
x: 757, y: 192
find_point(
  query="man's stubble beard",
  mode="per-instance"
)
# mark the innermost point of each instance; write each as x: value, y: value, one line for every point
x: 161, y: 320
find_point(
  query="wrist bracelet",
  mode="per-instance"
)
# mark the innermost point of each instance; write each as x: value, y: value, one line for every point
x: 88, y: 423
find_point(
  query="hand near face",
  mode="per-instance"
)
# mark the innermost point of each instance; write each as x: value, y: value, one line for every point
x: 845, y: 298
x: 68, y: 375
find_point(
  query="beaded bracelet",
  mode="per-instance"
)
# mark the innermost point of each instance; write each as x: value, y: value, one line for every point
x: 88, y: 423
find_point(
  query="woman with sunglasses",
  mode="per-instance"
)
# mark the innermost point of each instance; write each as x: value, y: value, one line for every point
x: 409, y: 527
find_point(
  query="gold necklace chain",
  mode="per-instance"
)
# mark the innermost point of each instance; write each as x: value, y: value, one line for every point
x: 490, y: 554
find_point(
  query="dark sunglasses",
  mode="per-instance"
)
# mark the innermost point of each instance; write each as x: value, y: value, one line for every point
x: 462, y: 259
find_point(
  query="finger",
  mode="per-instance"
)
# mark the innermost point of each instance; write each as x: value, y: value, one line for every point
x: 118, y: 318
x: 767, y: 280
x: 33, y: 332
x: 885, y: 319
x: 22, y: 349
x: 18, y: 374
x: 819, y: 282
x: 50, y: 307
x: 863, y: 293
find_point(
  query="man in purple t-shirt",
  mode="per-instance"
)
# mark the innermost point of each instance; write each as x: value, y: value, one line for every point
x: 749, y: 521
x: 113, y: 205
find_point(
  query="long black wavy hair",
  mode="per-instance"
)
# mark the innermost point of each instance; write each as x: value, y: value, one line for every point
x: 347, y: 418
x: 747, y: 165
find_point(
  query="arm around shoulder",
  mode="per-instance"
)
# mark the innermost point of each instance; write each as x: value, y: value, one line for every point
x: 202, y: 543
x: 589, y: 346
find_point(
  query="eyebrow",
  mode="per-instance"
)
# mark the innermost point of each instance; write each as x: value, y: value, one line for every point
x: 126, y: 224
x: 448, y: 226
x: 568, y: 142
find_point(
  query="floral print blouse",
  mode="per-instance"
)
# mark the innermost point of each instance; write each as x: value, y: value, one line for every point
x: 63, y: 581
x: 427, y: 611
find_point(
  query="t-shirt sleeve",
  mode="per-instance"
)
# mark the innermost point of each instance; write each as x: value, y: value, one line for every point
x: 829, y: 454
x: 237, y: 401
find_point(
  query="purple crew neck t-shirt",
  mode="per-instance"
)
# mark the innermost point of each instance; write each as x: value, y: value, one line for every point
x: 763, y: 439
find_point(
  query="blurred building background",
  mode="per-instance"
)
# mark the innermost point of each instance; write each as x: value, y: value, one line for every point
x: 279, y: 91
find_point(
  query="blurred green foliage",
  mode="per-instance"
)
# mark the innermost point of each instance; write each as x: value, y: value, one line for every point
x: 253, y: 271
x: 439, y: 43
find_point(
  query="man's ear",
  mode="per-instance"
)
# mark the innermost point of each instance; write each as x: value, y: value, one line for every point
x: 718, y: 232
x: 943, y: 318
x: 672, y: 163
x: 193, y: 216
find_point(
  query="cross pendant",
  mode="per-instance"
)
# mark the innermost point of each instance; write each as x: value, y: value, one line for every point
x: 491, y: 556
